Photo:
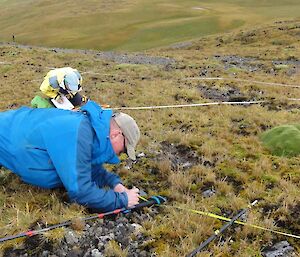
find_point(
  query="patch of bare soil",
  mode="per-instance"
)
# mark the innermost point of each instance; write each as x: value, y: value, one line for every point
x: 249, y: 64
x: 135, y: 58
x: 276, y: 106
x: 229, y: 94
x: 182, y: 156
x: 242, y: 127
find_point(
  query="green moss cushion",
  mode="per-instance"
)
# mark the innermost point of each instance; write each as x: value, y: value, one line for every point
x: 283, y: 140
x: 40, y: 102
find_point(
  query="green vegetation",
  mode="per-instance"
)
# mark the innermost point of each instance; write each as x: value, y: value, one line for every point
x: 226, y: 138
x: 131, y: 25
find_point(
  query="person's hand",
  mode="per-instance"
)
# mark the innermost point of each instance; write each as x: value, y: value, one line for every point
x: 119, y: 188
x: 59, y: 99
x: 133, y: 196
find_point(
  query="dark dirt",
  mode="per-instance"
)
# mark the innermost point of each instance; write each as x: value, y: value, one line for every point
x: 242, y: 127
x: 279, y: 106
x: 249, y: 64
x: 182, y: 156
x: 93, y: 240
x: 292, y: 220
x: 230, y: 94
x: 254, y: 64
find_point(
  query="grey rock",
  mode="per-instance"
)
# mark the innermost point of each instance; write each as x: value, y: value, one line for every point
x: 45, y: 253
x: 143, y: 254
x: 101, y: 245
x: 208, y: 193
x: 142, y: 193
x: 71, y: 237
x: 124, y: 241
x: 141, y: 155
x: 110, y: 225
x: 280, y: 249
x: 137, y: 229
x: 96, y: 253
x: 107, y: 238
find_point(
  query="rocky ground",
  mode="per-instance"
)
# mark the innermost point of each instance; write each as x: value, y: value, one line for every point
x: 112, y: 236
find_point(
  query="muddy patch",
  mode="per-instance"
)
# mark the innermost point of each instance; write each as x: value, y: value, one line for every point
x: 182, y: 156
x: 280, y: 106
x: 249, y: 64
x: 229, y: 94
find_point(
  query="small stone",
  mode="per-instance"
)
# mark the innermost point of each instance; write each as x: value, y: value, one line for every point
x: 137, y: 228
x: 280, y: 249
x: 187, y: 165
x: 71, y: 237
x: 110, y: 225
x: 45, y: 253
x: 143, y: 254
x: 141, y: 155
x: 96, y: 253
x: 208, y: 193
x: 142, y: 193
x: 101, y: 245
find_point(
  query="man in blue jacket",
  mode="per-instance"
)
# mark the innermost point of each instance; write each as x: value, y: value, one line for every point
x: 53, y: 148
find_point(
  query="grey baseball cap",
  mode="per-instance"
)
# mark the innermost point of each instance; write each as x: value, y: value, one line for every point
x: 130, y: 130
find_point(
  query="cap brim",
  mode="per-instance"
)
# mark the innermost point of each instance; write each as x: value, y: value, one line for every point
x: 131, y: 152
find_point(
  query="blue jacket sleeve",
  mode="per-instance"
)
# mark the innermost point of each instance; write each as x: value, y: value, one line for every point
x: 104, y: 178
x: 70, y: 151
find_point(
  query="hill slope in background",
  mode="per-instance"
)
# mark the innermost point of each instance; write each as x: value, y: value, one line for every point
x: 205, y: 158
x: 130, y: 25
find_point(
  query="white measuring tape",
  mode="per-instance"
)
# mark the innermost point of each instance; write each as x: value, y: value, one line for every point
x: 187, y: 105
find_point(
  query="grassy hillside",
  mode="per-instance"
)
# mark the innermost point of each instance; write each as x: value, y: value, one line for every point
x: 188, y: 150
x: 130, y: 24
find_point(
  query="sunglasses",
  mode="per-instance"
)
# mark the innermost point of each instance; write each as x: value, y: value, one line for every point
x: 124, y: 143
x: 124, y: 138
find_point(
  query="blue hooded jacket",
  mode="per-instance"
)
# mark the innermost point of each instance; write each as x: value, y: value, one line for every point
x: 53, y: 148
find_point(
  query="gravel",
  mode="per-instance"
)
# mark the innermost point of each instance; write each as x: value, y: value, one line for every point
x: 93, y: 241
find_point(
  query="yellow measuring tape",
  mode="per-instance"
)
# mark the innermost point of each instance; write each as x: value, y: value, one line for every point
x: 212, y: 215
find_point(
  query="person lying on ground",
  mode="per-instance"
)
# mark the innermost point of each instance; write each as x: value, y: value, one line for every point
x: 61, y: 82
x: 52, y: 148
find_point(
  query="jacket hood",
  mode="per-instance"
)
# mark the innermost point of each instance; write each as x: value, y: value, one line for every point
x: 100, y: 120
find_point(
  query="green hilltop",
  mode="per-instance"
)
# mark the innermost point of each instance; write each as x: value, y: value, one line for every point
x: 131, y: 25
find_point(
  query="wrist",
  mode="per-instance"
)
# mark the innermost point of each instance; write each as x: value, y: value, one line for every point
x: 119, y: 188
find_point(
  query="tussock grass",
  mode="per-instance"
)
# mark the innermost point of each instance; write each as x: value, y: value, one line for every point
x: 237, y: 167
